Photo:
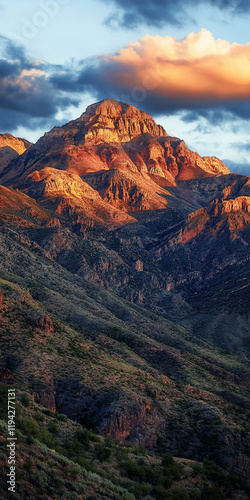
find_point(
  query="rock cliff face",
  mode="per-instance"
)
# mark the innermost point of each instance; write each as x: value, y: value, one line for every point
x: 11, y: 147
x: 72, y: 198
x: 18, y: 145
x: 111, y: 121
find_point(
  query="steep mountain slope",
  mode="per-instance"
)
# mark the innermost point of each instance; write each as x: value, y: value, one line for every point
x: 183, y: 219
x: 83, y: 464
x: 124, y: 287
x: 168, y: 228
x: 115, y: 367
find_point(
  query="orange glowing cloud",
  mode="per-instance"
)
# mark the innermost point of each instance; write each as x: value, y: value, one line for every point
x: 196, y: 68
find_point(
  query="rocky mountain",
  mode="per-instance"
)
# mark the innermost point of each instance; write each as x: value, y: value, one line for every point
x: 124, y: 271
x: 10, y: 148
x: 175, y: 224
x: 114, y: 136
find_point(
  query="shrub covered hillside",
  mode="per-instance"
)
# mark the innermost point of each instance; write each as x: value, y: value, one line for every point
x: 58, y: 458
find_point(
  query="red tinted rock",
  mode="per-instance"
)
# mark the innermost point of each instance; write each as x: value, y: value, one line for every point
x: 138, y: 265
x: 46, y: 324
x: 47, y: 398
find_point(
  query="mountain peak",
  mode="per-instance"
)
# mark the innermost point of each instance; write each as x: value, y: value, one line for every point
x: 113, y: 108
x: 113, y: 121
x: 108, y: 107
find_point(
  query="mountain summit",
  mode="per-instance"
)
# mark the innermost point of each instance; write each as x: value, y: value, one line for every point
x: 113, y: 121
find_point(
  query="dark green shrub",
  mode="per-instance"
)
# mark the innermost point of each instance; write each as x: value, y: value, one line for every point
x: 39, y: 417
x: 212, y: 493
x: 160, y: 493
x: 102, y: 453
x: 143, y: 473
x: 25, y: 400
x: 173, y: 471
x: 108, y: 442
x: 48, y: 412
x: 180, y: 494
x: 60, y: 417
x: 30, y: 439
x: 41, y: 480
x: 30, y: 428
x: 167, y: 460
x: 82, y: 436
x: 52, y: 427
x: 167, y: 482
x: 140, y: 490
x: 93, y: 437
x: 30, y: 464
x: 83, y: 462
x: 134, y: 471
x: 197, y: 470
x: 27, y: 426
x: 154, y: 475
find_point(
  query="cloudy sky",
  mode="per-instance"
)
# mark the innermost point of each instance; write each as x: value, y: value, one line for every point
x: 186, y: 62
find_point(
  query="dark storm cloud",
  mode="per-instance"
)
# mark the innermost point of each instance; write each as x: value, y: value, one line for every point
x: 27, y: 96
x: 163, y: 75
x: 236, y: 6
x: 147, y: 74
x: 97, y: 80
x: 219, y: 114
x: 131, y: 13
x: 11, y: 119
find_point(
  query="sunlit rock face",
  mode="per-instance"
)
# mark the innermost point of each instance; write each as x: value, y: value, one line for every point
x: 18, y: 145
x: 115, y: 135
x: 10, y: 148
x: 112, y: 121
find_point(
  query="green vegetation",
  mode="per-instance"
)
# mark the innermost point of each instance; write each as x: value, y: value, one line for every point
x: 57, y: 453
x: 118, y: 369
x: 25, y: 399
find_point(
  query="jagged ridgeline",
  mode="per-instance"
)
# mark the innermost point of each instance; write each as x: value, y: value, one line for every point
x: 124, y: 304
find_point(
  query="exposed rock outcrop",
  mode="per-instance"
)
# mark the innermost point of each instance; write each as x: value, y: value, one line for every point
x: 10, y: 148
x: 113, y: 121
x: 46, y: 324
x: 71, y: 197
x: 46, y: 397
x: 18, y: 145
